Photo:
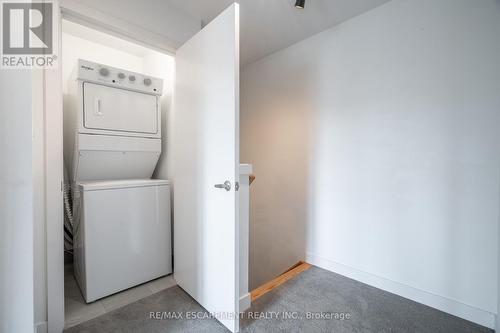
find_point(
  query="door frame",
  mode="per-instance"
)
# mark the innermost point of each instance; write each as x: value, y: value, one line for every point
x: 51, y: 148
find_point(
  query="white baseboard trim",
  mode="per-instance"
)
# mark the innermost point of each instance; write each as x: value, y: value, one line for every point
x: 453, y: 307
x: 245, y: 302
x: 41, y: 327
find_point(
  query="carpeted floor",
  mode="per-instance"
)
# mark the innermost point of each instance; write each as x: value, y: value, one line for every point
x: 338, y: 304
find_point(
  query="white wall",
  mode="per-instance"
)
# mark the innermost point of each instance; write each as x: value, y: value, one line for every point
x: 16, y: 202
x: 497, y: 328
x: 376, y: 150
x: 274, y: 122
x: 160, y: 65
x: 39, y: 211
x: 74, y: 48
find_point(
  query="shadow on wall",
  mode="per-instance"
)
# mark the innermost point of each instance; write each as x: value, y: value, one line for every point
x: 275, y: 138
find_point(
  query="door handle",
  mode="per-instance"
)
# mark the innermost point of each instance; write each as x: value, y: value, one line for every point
x: 97, y: 108
x: 226, y: 185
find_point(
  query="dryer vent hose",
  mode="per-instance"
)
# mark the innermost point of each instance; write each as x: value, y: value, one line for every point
x: 68, y: 214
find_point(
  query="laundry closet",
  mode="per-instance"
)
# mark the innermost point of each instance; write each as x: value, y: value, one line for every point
x: 118, y: 230
x: 153, y: 190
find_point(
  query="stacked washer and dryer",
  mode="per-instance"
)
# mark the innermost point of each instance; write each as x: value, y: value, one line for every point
x: 112, y: 143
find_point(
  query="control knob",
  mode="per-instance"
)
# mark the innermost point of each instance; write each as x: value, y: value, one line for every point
x: 104, y: 71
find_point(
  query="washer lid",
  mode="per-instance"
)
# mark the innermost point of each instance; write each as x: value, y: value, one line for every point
x: 119, y: 184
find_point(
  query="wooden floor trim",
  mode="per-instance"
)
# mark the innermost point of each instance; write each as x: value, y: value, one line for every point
x: 279, y: 280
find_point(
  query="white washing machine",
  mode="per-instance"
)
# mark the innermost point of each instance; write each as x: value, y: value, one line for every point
x: 112, y: 136
x: 123, y: 238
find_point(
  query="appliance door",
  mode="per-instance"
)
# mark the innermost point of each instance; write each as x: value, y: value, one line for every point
x: 119, y: 110
x: 126, y: 238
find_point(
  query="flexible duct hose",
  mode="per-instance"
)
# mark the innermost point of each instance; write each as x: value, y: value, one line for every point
x: 69, y: 222
x: 68, y: 214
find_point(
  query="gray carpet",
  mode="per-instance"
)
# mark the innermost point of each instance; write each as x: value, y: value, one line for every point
x: 316, y: 292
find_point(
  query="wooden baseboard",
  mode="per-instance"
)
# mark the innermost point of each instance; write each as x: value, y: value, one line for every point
x: 279, y: 280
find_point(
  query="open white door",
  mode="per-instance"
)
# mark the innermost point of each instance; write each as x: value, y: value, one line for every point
x: 205, y: 153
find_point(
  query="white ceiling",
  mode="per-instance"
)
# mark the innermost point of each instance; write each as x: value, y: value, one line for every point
x: 270, y: 25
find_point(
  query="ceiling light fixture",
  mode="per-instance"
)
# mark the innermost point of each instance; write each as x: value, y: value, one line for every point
x: 300, y: 4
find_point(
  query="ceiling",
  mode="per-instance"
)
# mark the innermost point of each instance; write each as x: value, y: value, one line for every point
x: 267, y: 26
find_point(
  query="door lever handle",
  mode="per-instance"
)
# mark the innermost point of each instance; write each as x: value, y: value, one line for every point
x: 226, y: 185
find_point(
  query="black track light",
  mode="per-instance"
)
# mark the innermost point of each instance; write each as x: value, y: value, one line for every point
x: 300, y: 4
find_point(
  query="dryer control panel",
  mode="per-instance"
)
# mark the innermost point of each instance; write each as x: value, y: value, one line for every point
x: 119, y: 78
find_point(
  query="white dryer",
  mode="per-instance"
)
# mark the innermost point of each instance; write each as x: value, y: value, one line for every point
x: 112, y: 142
x: 112, y: 123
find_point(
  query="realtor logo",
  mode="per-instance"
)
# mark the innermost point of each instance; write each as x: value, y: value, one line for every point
x: 27, y: 34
